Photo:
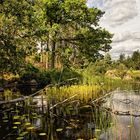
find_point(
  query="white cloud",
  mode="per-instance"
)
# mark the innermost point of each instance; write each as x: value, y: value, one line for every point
x: 122, y: 18
x: 125, y: 36
x: 119, y: 12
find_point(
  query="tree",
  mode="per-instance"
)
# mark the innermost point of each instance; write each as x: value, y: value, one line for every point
x: 73, y: 26
x: 18, y: 33
x: 133, y: 61
x: 122, y: 58
x: 107, y: 59
x: 136, y: 60
x: 68, y: 28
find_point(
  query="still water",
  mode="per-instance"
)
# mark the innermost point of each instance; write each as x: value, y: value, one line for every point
x: 125, y: 109
x: 117, y: 117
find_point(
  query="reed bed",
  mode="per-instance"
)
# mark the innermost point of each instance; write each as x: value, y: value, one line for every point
x: 81, y: 92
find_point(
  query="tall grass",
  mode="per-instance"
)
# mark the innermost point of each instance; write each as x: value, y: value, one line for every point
x: 81, y: 92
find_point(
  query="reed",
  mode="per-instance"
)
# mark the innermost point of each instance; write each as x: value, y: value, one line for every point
x: 82, y: 92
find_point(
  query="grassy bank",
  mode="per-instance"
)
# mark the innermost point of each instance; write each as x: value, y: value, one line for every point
x: 84, y: 92
x: 86, y: 86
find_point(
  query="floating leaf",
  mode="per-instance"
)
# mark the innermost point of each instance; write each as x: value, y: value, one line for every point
x: 20, y: 138
x: 34, y: 113
x: 30, y: 128
x: 16, y: 117
x: 59, y: 129
x: 25, y: 115
x: 72, y: 120
x: 42, y: 134
x: 97, y: 130
x: 68, y: 127
x: 27, y: 123
x: 22, y: 118
x: 14, y: 127
x: 23, y: 134
x: 17, y: 111
x: 35, y: 117
x: 5, y: 117
x: 5, y: 121
x: 17, y: 123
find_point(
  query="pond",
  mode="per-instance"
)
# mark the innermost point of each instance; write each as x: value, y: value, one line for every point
x: 116, y: 117
x: 125, y: 109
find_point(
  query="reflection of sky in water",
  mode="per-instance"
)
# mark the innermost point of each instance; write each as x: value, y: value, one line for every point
x: 124, y: 127
x: 39, y: 100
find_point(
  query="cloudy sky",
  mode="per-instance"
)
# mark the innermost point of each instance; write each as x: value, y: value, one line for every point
x: 122, y: 18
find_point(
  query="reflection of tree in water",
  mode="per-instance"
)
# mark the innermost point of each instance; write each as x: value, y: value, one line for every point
x: 85, y: 123
x: 124, y: 107
x: 133, y: 87
x: 66, y: 121
x: 136, y: 87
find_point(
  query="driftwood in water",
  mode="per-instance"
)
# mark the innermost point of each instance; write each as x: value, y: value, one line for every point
x: 14, y: 100
x: 102, y: 97
x: 59, y: 103
x: 36, y: 93
x: 121, y: 113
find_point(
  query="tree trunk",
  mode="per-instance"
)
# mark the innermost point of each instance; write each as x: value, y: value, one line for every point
x: 53, y: 55
x: 46, y: 60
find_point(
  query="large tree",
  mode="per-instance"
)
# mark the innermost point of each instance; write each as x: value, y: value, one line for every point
x: 19, y: 22
x: 73, y: 30
x: 68, y: 28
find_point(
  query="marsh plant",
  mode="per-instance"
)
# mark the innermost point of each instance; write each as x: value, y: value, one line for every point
x: 69, y: 120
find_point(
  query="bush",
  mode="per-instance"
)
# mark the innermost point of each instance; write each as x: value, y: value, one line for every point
x: 50, y: 76
x: 29, y: 73
x: 69, y: 74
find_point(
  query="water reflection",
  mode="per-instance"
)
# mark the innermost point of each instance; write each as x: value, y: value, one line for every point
x: 125, y: 108
x: 62, y: 123
x: 116, y: 119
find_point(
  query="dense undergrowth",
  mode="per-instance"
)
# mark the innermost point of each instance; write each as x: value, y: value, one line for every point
x: 87, y: 84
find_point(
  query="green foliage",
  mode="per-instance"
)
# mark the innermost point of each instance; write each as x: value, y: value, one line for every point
x: 68, y: 29
x: 65, y: 76
x: 44, y: 78
x: 19, y: 20
x: 29, y: 73
x: 135, y: 75
x: 70, y: 26
x: 99, y: 67
x: 136, y: 60
x: 131, y: 62
x: 57, y: 76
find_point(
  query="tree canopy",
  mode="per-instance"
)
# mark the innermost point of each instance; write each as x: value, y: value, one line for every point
x: 69, y: 29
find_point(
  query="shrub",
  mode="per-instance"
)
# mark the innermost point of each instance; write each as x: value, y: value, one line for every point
x: 55, y: 76
x: 29, y: 73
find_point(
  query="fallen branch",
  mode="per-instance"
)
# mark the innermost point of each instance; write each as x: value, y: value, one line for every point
x: 63, y: 101
x: 121, y: 113
x: 14, y: 100
x: 34, y: 94
x: 102, y: 97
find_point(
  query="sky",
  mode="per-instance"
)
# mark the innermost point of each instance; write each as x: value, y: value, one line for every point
x: 122, y: 18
